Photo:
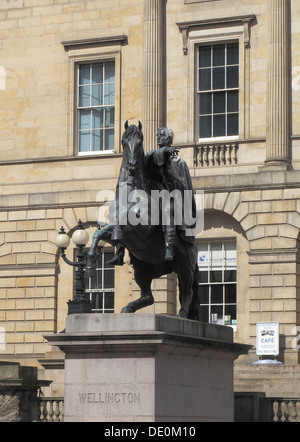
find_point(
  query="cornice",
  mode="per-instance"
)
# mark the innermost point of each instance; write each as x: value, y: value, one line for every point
x: 115, y: 40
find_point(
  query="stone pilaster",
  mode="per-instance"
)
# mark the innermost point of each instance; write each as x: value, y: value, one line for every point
x: 153, y: 70
x: 278, y: 128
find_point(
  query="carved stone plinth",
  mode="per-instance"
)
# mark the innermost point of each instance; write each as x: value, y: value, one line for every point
x: 143, y: 367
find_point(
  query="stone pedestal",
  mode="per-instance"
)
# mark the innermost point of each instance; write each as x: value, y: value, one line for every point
x: 143, y: 367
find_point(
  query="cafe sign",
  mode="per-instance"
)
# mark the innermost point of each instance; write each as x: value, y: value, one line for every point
x: 267, y: 338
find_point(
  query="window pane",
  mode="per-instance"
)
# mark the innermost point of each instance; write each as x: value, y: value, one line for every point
x: 230, y: 294
x: 233, y: 124
x: 219, y: 125
x: 109, y: 279
x: 97, y: 301
x: 84, y: 96
x: 205, y: 79
x: 204, y: 313
x: 85, y: 120
x: 219, y: 78
x: 109, y: 301
x: 230, y: 275
x: 109, y: 93
x: 216, y: 276
x: 203, y: 277
x: 84, y: 74
x: 231, y: 311
x: 204, y: 294
x: 216, y: 248
x: 97, y: 95
x: 108, y: 256
x: 203, y: 255
x: 97, y: 118
x: 233, y: 53
x: 109, y: 139
x: 109, y: 72
x: 219, y: 55
x: 204, y: 56
x: 205, y: 104
x: 233, y: 101
x: 97, y: 73
x: 219, y: 103
x: 110, y: 117
x: 205, y: 127
x: 97, y: 140
x: 217, y: 310
x: 217, y: 294
x: 232, y: 77
x: 230, y: 253
x: 84, y: 141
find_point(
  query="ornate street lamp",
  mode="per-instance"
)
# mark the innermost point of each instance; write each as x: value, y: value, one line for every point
x: 79, y: 304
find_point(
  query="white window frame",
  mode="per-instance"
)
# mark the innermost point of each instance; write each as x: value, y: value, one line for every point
x: 102, y: 290
x: 83, y: 55
x: 79, y: 108
x: 221, y: 266
x: 219, y: 34
x: 198, y: 93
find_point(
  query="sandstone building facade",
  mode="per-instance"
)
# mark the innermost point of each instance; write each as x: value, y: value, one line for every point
x: 224, y: 75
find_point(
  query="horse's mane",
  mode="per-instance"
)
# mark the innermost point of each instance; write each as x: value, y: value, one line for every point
x: 132, y: 131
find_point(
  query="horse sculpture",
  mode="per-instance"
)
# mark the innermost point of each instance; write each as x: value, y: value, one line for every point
x: 145, y: 242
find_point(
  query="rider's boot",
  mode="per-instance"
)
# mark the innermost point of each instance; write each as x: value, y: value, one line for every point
x: 118, y: 259
x: 117, y: 233
x: 169, y: 242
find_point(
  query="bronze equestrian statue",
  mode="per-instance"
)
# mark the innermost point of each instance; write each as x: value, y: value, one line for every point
x: 156, y: 247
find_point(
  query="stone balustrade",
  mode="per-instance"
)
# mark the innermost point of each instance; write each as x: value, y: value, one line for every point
x: 286, y: 410
x: 273, y: 410
x: 216, y: 155
x: 51, y: 409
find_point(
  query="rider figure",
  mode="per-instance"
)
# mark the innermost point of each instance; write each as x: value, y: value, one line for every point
x: 158, y: 164
x: 159, y: 167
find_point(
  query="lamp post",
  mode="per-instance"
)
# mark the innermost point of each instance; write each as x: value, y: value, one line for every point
x: 80, y: 237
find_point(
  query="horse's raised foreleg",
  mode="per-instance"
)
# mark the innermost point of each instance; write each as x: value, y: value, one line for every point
x: 104, y: 235
x: 143, y: 275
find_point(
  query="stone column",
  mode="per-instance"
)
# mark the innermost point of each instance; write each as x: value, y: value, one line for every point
x: 278, y: 127
x: 153, y: 70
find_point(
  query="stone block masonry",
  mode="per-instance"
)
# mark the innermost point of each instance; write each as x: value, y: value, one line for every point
x: 145, y: 367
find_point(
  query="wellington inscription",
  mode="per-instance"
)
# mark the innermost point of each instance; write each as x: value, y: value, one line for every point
x: 109, y: 398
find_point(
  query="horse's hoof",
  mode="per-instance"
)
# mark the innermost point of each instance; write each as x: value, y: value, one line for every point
x: 128, y: 309
x: 183, y: 315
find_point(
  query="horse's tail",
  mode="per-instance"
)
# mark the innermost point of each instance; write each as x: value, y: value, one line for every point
x: 195, y: 304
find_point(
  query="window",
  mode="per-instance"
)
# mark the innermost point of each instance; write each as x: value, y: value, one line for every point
x: 96, y: 107
x: 217, y: 266
x: 218, y: 90
x: 101, y: 287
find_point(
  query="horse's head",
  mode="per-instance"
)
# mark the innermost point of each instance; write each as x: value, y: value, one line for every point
x: 132, y: 142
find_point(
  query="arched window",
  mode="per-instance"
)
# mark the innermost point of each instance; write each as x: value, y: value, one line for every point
x: 217, y: 262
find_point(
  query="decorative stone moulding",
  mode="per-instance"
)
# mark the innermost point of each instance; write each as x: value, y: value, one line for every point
x: 186, y: 27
